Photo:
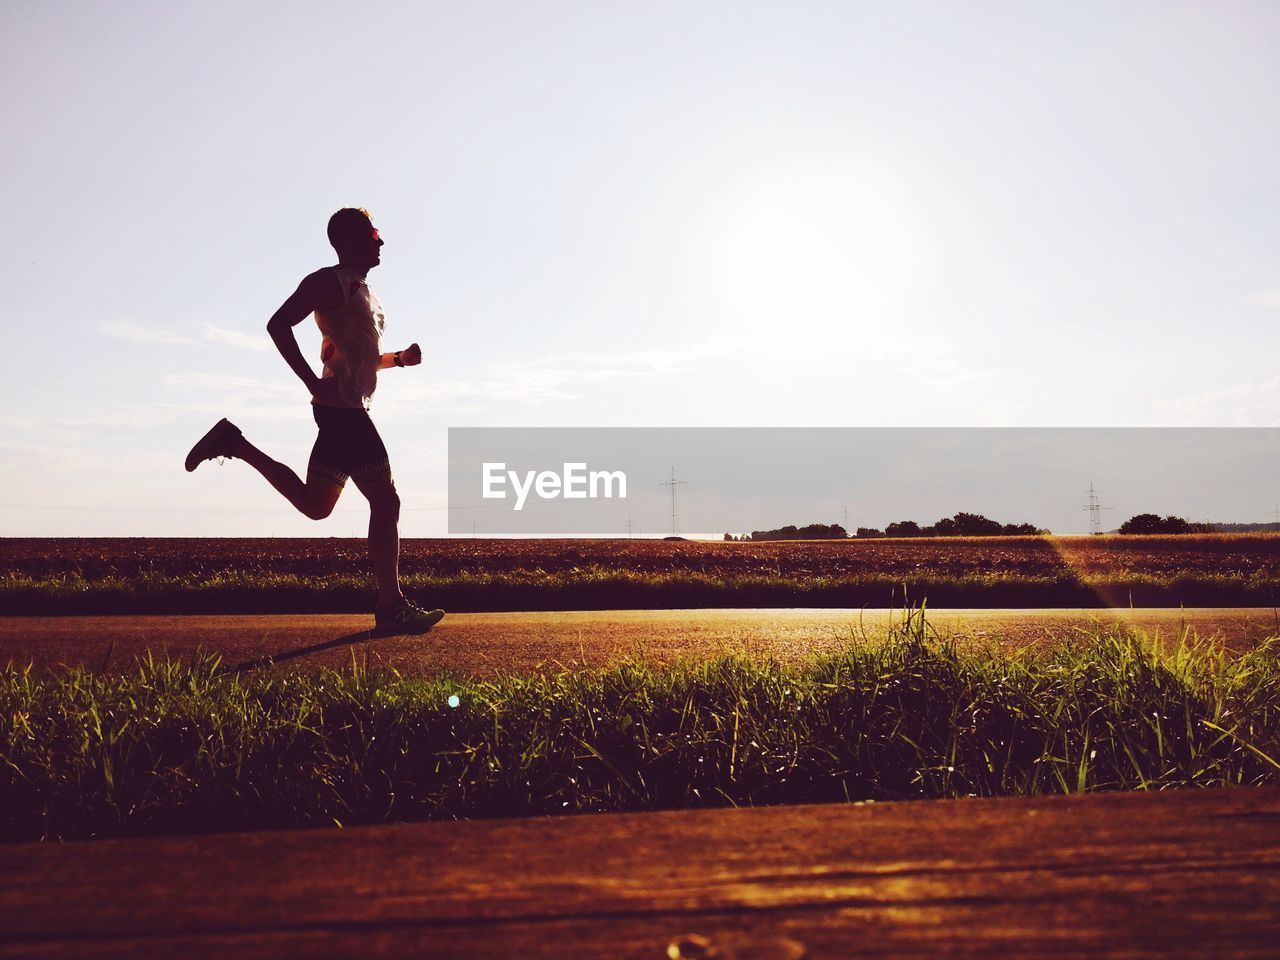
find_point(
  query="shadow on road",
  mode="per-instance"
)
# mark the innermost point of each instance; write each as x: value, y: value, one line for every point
x: 277, y: 658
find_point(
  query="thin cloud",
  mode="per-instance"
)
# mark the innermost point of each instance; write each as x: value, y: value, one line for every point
x: 221, y: 383
x: 1246, y: 404
x: 234, y: 338
x: 475, y: 396
x: 240, y: 398
x: 579, y: 365
x: 1267, y: 298
x: 553, y: 377
x: 138, y: 417
x: 41, y: 466
x: 544, y: 379
x: 243, y: 410
x: 136, y: 333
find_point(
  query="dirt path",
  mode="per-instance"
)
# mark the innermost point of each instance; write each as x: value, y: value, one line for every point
x: 1190, y: 873
x: 483, y: 644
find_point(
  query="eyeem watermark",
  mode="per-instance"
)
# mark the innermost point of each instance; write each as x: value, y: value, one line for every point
x: 709, y: 481
x: 575, y: 482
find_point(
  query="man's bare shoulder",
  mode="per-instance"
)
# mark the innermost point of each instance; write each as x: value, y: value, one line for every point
x: 319, y: 290
x: 322, y: 288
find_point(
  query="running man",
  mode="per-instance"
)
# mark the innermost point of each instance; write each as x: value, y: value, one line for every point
x: 351, y: 322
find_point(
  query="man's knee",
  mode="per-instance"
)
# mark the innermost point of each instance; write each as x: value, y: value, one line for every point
x: 321, y: 501
x: 318, y: 511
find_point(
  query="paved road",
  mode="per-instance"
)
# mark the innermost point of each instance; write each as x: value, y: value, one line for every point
x: 1184, y: 873
x: 484, y: 644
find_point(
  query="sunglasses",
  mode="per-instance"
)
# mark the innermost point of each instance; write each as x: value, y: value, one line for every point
x: 374, y: 234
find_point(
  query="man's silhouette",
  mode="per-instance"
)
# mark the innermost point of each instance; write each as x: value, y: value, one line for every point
x: 351, y: 321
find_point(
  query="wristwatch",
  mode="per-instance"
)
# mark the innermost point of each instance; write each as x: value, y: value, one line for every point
x: 399, y: 362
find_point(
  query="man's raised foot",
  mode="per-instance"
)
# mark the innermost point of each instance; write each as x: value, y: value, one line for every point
x: 216, y: 443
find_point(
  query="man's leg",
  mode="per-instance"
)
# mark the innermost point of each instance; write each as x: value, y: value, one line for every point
x: 394, y: 611
x: 315, y: 499
x: 384, y: 537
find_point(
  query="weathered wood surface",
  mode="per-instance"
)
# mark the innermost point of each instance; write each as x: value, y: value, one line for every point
x: 1178, y: 874
x: 484, y: 644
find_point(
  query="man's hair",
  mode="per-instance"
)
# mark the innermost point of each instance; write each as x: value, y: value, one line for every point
x: 349, y: 223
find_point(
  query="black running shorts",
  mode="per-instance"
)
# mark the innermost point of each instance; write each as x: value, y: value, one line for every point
x: 348, y: 445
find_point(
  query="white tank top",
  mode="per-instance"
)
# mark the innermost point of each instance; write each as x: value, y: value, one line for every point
x: 351, y: 344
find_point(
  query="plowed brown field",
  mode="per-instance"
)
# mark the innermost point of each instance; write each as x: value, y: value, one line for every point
x: 1220, y: 554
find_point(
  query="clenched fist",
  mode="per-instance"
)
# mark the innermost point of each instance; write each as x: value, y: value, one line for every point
x: 411, y: 356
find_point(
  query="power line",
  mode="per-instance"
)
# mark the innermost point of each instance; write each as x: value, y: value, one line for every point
x: 1095, y: 508
x: 673, y: 483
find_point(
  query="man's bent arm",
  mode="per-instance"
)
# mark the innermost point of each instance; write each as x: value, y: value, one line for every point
x: 304, y: 302
x: 287, y: 344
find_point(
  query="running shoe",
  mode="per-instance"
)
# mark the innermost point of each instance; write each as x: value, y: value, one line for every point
x: 407, y: 618
x: 215, y: 443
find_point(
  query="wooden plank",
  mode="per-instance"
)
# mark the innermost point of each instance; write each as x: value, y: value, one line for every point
x: 1110, y: 875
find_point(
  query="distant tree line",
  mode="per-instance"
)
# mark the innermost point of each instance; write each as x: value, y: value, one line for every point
x: 961, y: 525
x: 976, y: 525
x: 1152, y: 523
x: 814, y: 531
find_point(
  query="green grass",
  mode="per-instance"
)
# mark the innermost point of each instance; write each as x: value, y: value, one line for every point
x: 601, y: 588
x: 173, y: 748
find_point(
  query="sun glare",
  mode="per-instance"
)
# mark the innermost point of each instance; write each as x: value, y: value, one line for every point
x: 818, y: 253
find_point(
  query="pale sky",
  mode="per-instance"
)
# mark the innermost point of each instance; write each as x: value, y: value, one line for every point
x: 623, y: 214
